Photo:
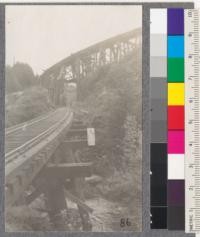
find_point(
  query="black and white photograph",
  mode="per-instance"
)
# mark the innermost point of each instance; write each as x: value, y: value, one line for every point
x: 73, y: 118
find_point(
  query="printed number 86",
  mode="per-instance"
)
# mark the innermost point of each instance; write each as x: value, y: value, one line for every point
x: 125, y: 222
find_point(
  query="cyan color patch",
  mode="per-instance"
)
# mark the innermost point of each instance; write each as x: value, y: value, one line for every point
x: 175, y: 47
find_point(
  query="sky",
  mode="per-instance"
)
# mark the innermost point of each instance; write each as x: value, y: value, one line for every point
x: 43, y: 35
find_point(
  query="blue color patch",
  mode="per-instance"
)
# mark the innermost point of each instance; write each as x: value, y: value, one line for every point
x: 175, y: 46
x: 175, y: 21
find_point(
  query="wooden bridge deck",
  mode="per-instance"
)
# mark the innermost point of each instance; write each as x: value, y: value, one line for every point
x: 29, y: 148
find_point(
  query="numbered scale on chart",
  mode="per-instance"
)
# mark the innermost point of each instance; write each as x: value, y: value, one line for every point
x: 192, y: 121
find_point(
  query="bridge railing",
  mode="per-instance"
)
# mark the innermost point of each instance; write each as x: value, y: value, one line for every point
x: 76, y: 63
x: 79, y: 65
x: 24, y: 162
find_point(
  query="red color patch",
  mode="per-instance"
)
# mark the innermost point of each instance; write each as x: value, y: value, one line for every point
x: 176, y: 118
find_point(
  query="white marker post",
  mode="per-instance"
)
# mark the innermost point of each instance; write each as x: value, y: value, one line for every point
x: 91, y: 136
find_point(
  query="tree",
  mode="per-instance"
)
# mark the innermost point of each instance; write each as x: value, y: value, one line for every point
x: 12, y: 83
x: 19, y: 77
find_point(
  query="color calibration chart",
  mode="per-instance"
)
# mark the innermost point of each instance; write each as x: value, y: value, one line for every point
x: 175, y: 119
x: 167, y: 118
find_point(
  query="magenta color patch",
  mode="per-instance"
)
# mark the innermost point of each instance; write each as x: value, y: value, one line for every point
x: 176, y: 142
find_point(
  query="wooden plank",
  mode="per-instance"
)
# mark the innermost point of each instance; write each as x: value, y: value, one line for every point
x: 77, y: 126
x: 35, y: 194
x: 69, y: 170
x: 77, y: 131
x: 78, y: 143
x: 70, y: 165
x: 78, y: 201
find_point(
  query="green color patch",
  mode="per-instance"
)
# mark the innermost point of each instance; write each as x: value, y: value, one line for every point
x: 175, y: 69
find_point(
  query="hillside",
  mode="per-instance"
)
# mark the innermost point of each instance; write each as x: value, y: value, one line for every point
x: 25, y: 105
x: 111, y: 102
x: 24, y: 99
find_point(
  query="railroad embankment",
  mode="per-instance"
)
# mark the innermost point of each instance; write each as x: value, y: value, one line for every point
x: 111, y: 103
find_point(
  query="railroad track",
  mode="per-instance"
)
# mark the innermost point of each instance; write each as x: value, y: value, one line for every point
x: 18, y: 135
x: 21, y: 125
x: 29, y: 147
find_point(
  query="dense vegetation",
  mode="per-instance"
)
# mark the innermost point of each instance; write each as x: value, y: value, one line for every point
x: 111, y: 102
x: 25, y: 99
x: 26, y: 105
x: 19, y: 77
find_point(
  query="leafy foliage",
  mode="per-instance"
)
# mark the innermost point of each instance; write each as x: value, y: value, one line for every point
x: 21, y: 107
x: 112, y: 103
x: 114, y: 109
x: 19, y: 77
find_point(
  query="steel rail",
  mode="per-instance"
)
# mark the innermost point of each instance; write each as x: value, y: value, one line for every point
x: 19, y: 173
x: 10, y: 156
x: 28, y: 123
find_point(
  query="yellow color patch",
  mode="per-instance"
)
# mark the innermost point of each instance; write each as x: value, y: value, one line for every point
x: 176, y: 94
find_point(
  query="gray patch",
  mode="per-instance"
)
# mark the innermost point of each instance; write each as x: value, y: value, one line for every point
x: 158, y: 67
x: 159, y: 109
x: 158, y: 131
x: 158, y: 88
x: 158, y: 45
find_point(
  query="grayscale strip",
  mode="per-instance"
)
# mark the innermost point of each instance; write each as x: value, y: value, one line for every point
x: 158, y: 99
